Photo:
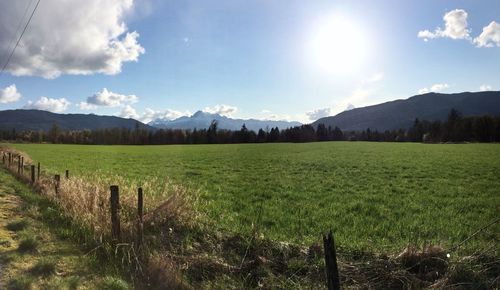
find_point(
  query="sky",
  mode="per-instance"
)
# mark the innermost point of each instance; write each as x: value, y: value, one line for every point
x: 276, y: 60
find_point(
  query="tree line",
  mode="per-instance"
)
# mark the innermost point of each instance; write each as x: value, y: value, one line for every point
x: 455, y: 128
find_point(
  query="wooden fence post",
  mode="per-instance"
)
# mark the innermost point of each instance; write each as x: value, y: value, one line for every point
x: 22, y: 164
x: 33, y: 174
x: 19, y: 164
x: 115, y: 214
x: 3, y: 157
x: 332, y: 271
x: 140, y: 226
x: 38, y: 171
x: 67, y: 174
x: 10, y: 159
x: 57, y: 179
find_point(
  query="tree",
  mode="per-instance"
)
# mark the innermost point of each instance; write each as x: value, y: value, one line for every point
x: 212, y: 132
x: 54, y: 133
x: 321, y: 132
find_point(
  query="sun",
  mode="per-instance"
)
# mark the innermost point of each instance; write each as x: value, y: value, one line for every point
x: 337, y: 45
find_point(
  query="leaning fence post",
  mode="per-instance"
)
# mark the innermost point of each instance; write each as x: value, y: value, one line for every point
x: 115, y: 214
x: 33, y: 174
x: 67, y: 174
x: 38, y: 171
x: 140, y: 226
x: 57, y: 179
x: 332, y: 271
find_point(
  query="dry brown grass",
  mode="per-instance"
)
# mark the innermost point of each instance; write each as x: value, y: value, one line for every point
x: 164, y: 274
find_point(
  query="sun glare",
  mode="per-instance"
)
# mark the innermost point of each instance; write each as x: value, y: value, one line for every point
x: 337, y: 45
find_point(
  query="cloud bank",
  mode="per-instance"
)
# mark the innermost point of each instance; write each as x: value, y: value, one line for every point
x: 456, y: 27
x: 48, y: 104
x: 434, y: 88
x: 107, y: 98
x: 150, y: 115
x: 455, y: 23
x: 69, y: 37
x: 221, y: 109
x: 319, y: 113
x: 490, y: 36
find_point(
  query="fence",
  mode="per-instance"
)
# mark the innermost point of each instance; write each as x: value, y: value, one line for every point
x: 115, y: 233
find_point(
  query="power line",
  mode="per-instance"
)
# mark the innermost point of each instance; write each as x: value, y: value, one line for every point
x: 22, y: 33
x: 17, y: 29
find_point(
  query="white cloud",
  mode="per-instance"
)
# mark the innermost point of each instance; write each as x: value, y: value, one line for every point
x: 48, y: 104
x: 151, y: 115
x: 107, y: 98
x: 455, y: 27
x: 319, y: 113
x: 490, y: 36
x: 128, y: 112
x: 221, y: 109
x: 483, y: 88
x: 9, y: 94
x: 375, y: 78
x: 86, y: 106
x: 70, y: 37
x: 434, y: 88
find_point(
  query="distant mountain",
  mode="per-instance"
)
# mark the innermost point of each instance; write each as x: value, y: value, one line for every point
x: 202, y: 120
x: 42, y: 120
x: 402, y: 113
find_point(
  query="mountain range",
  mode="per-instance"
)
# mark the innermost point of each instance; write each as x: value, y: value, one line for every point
x: 386, y: 116
x: 402, y: 113
x: 202, y: 120
x: 36, y: 120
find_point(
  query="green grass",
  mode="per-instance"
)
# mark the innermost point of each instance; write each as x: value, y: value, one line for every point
x: 28, y: 244
x: 44, y: 267
x: 40, y: 248
x: 378, y: 196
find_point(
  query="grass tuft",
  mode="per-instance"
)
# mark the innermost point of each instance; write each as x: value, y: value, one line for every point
x: 113, y: 283
x: 17, y: 225
x: 27, y: 245
x: 44, y: 267
x: 20, y: 283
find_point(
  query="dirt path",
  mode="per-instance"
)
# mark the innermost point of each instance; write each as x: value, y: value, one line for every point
x: 35, y: 254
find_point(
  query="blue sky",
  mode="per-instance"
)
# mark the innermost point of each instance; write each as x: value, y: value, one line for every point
x: 295, y: 60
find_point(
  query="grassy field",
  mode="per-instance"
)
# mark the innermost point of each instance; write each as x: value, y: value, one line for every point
x: 375, y: 196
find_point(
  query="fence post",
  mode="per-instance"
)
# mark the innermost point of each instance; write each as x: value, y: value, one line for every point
x: 140, y: 226
x: 115, y: 214
x: 3, y: 157
x: 38, y: 171
x: 19, y: 164
x: 332, y: 271
x: 22, y: 164
x: 10, y: 159
x: 67, y: 174
x: 33, y: 174
x: 57, y: 179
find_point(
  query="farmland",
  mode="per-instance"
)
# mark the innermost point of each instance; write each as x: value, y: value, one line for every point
x: 375, y: 196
